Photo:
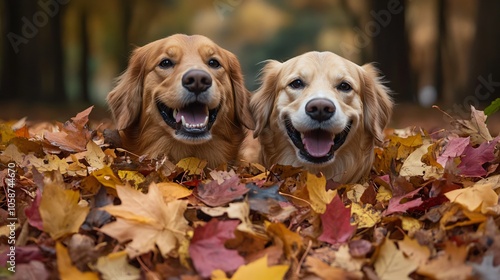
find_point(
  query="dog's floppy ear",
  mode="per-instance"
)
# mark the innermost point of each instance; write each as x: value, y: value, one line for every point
x: 241, y: 94
x: 262, y: 102
x: 377, y: 103
x: 125, y: 100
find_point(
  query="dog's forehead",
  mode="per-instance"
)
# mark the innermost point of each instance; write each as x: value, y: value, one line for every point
x: 178, y: 45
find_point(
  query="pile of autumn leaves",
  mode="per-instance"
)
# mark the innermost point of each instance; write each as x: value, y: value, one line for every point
x: 87, y: 209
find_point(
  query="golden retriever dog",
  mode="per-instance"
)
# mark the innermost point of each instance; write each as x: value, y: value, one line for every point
x: 182, y: 96
x: 322, y: 112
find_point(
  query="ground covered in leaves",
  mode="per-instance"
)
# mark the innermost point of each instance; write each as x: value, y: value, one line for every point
x: 76, y: 206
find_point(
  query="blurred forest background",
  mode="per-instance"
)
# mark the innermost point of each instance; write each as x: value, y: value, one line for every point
x: 59, y: 56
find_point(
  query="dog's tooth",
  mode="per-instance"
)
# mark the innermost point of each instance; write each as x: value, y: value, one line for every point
x: 183, y: 121
x: 174, y: 113
x: 206, y: 121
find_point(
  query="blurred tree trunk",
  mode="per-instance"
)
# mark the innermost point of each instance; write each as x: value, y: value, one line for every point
x: 390, y: 46
x: 484, y: 78
x: 84, y: 56
x: 32, y: 52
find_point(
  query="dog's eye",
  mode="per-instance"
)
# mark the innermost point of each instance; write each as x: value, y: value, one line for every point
x: 297, y: 84
x: 166, y: 63
x: 214, y: 63
x: 345, y: 87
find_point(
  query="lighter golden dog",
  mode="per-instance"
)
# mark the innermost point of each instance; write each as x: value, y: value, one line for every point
x: 322, y: 112
x: 182, y: 96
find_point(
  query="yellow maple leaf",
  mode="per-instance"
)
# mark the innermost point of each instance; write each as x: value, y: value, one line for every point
x: 192, y: 165
x: 172, y: 191
x: 415, y: 252
x: 410, y: 224
x: 134, y: 176
x: 476, y: 198
x: 449, y: 264
x: 61, y: 214
x: 146, y: 220
x: 413, y: 165
x: 391, y: 263
x: 318, y: 195
x: 292, y: 241
x: 66, y: 269
x: 94, y: 156
x: 383, y: 194
x: 107, y: 177
x: 365, y: 216
x: 259, y: 269
x: 116, y: 266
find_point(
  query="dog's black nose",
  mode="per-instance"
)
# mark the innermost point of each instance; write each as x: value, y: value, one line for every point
x: 320, y: 109
x: 196, y: 81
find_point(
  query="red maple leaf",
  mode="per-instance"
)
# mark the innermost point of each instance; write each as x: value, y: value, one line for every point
x: 32, y: 212
x: 207, y: 248
x: 336, y: 221
x: 396, y: 207
x: 472, y: 161
x: 454, y: 148
x: 213, y: 194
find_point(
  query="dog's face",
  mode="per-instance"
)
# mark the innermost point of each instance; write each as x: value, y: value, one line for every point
x: 184, y: 84
x: 320, y: 101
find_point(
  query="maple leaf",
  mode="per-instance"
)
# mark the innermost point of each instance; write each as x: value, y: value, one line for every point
x: 217, y: 194
x: 73, y: 135
x: 236, y: 210
x: 172, y: 191
x: 475, y: 127
x: 415, y: 252
x: 413, y: 165
x: 66, y: 269
x: 94, y: 155
x: 337, y: 228
x: 318, y: 195
x: 33, y: 213
x: 453, y: 149
x: 292, y: 241
x: 396, y: 207
x: 116, y: 266
x: 365, y: 216
x: 207, y: 248
x: 449, y: 264
x: 327, y: 272
x: 473, y: 158
x: 391, y: 263
x: 192, y: 165
x: 61, y: 214
x: 478, y: 197
x: 260, y: 270
x: 146, y: 220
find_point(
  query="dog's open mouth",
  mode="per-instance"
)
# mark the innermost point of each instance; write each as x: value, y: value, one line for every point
x: 316, y: 146
x: 193, y: 120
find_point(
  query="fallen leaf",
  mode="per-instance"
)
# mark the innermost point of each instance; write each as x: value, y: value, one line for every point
x: 337, y: 228
x: 73, y: 135
x: 260, y: 270
x: 94, y: 155
x: 292, y: 241
x: 116, y: 266
x: 236, y: 210
x: 475, y: 127
x: 413, y: 165
x: 318, y: 195
x: 364, y: 216
x: 146, y: 220
x: 475, y: 198
x: 216, y: 194
x: 207, y: 248
x: 132, y: 177
x: 192, y: 165
x: 33, y: 213
x: 472, y: 161
x: 66, y: 269
x: 172, y: 191
x: 415, y: 252
x: 449, y: 264
x: 107, y: 177
x: 391, y: 263
x: 326, y: 272
x: 61, y: 214
x: 396, y: 207
x: 454, y: 148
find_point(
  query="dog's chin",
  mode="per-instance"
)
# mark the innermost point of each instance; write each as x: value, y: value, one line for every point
x: 316, y: 147
x: 190, y: 124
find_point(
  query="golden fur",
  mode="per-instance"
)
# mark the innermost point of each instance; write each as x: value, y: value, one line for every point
x: 150, y: 79
x: 322, y: 74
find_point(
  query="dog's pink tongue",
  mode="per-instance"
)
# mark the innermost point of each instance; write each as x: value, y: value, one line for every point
x: 193, y: 114
x: 317, y: 142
